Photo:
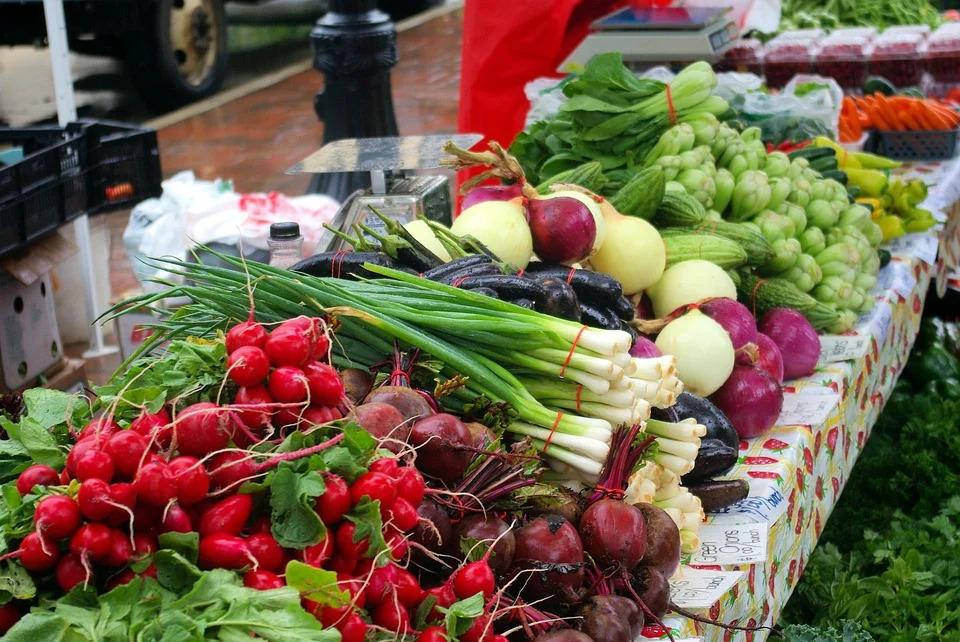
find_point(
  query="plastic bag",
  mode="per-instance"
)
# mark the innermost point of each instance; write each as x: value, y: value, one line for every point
x: 788, y: 116
x: 759, y: 15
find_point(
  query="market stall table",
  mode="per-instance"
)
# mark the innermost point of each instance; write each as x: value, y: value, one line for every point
x: 753, y: 554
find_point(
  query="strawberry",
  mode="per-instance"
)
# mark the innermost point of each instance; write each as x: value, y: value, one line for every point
x: 790, y: 504
x: 766, y: 610
x: 751, y: 578
x: 836, y: 486
x: 772, y: 580
x: 764, y: 474
x: 846, y: 440
x: 653, y: 631
x: 750, y: 634
x: 715, y: 610
x: 799, y: 526
x: 861, y: 437
x: 832, y: 439
x: 808, y: 460
x: 744, y: 444
x: 727, y: 635
x: 817, y: 442
x: 801, y: 482
x: 759, y: 461
x: 735, y: 591
x: 707, y: 567
x: 916, y: 304
x: 775, y: 444
x: 801, y: 564
x: 833, y: 385
x: 818, y: 488
x: 875, y: 347
x: 817, y: 527
x: 790, y: 389
x: 868, y: 363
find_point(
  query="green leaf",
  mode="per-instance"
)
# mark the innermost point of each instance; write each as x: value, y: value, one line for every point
x: 608, y: 70
x: 50, y: 407
x: 36, y: 439
x: 187, y: 544
x: 316, y: 584
x: 43, y: 625
x: 174, y: 571
x: 15, y: 580
x: 349, y: 458
x: 295, y: 524
x: 366, y: 515
x: 460, y: 615
x: 586, y: 102
x: 423, y: 611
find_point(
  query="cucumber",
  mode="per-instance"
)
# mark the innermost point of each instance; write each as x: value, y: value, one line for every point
x: 642, y: 194
x: 716, y: 249
x: 824, y: 163
x: 589, y: 176
x: 761, y: 295
x: 812, y: 152
x: 878, y: 83
x: 753, y: 242
x: 837, y: 175
x: 678, y: 208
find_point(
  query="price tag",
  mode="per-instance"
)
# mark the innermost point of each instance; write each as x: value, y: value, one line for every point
x: 727, y: 544
x: 921, y: 245
x: 880, y: 319
x: 764, y: 505
x: 694, y: 588
x: 842, y: 347
x: 885, y: 278
x: 902, y: 279
x: 807, y: 408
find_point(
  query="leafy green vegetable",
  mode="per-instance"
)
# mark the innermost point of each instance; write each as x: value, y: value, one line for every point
x: 295, y: 524
x: 36, y: 439
x: 460, y: 615
x: 366, y: 516
x: 849, y: 631
x: 316, y: 584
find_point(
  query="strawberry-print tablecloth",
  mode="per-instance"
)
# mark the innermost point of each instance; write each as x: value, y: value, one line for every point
x: 797, y: 472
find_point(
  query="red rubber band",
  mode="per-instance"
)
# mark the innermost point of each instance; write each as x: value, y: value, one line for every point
x: 573, y: 347
x: 337, y: 263
x: 457, y: 282
x: 670, y: 111
x: 579, y: 392
x: 753, y: 296
x: 553, y: 429
x: 570, y: 276
x: 520, y: 273
x: 612, y: 493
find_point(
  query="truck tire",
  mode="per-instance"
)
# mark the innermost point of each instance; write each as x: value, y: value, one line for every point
x: 180, y: 53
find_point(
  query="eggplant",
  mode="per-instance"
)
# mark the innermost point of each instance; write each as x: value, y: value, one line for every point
x: 486, y: 292
x: 561, y: 300
x: 629, y: 329
x: 597, y: 317
x: 524, y: 303
x: 477, y: 269
x: 508, y: 286
x: 602, y: 289
x: 344, y: 265
x: 717, y: 495
x: 441, y: 271
x: 624, y: 309
x: 717, y: 424
x: 714, y: 458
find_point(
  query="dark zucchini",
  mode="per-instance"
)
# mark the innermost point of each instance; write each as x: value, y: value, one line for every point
x: 344, y: 265
x: 508, y: 286
x: 403, y: 251
x: 457, y: 264
x: 836, y: 174
x: 717, y: 495
x: 599, y: 288
x: 717, y: 424
x: 811, y: 152
x: 714, y: 458
x: 480, y: 269
x: 624, y: 309
x: 561, y: 300
x: 524, y: 303
x: 486, y: 292
x: 598, y: 317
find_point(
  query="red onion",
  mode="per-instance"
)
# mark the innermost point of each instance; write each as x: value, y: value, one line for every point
x: 798, y: 341
x: 769, y: 357
x: 644, y: 307
x: 564, y: 229
x: 491, y: 193
x: 644, y: 348
x: 734, y: 317
x: 751, y: 399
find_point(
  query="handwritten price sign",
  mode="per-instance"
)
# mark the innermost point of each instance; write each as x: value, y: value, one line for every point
x: 808, y: 409
x: 694, y: 588
x: 732, y: 544
x: 834, y: 347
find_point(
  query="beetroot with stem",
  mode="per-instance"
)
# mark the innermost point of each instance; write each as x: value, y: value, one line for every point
x: 549, y: 554
x: 444, y: 446
x: 626, y: 449
x: 663, y: 540
x: 496, y: 476
x: 489, y: 529
x: 614, y: 533
x: 611, y: 618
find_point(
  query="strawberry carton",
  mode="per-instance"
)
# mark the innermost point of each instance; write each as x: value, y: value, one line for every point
x: 942, y: 54
x: 843, y: 56
x: 746, y: 56
x: 898, y: 58
x: 789, y: 54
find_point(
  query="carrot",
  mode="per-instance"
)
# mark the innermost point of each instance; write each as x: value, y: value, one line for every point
x: 907, y: 115
x: 922, y: 115
x: 889, y: 114
x: 876, y: 115
x: 950, y: 116
x: 937, y: 119
x: 853, y: 124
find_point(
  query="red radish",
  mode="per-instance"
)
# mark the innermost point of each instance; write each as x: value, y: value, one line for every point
x: 226, y: 516
x: 331, y: 616
x: 126, y: 449
x: 484, y: 193
x: 122, y: 494
x: 397, y: 543
x: 353, y: 628
x: 70, y: 572
x: 221, y: 550
x: 267, y: 551
x: 262, y: 580
x: 363, y: 567
x: 248, y: 366
x: 248, y: 333
x: 614, y: 533
x: 288, y: 346
x: 151, y: 571
x: 92, y: 541
x: 56, y: 516
x: 176, y: 520
x: 751, y: 399
x: 317, y: 415
x: 101, y: 429
x: 288, y: 384
x: 407, y: 588
x: 156, y: 428
x: 475, y: 577
x: 156, y: 484
x: 343, y: 564
x: 80, y: 449
x: 320, y: 553
x: 36, y: 475
x: 147, y: 518
x: 202, y: 429
x: 381, y: 584
x: 65, y: 477
x: 335, y: 500
x: 95, y: 464
x: 768, y: 357
x: 260, y: 525
x: 144, y: 545
x: 288, y: 416
x: 192, y: 480
x: 326, y: 386
x: 260, y: 406
x: 121, y: 551
x: 229, y: 469
x: 95, y: 500
x: 345, y: 544
x: 123, y: 577
x: 321, y: 347
x: 410, y: 485
x: 9, y: 615
x: 478, y: 631
x: 36, y: 555
x: 433, y: 634
x: 385, y: 466
x: 444, y: 596
x: 403, y: 514
x: 375, y: 486
x: 354, y: 586
x: 392, y: 616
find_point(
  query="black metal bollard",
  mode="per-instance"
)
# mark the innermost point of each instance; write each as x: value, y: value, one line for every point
x: 354, y: 45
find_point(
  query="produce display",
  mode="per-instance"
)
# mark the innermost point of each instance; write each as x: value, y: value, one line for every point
x: 893, y: 113
x: 807, y: 14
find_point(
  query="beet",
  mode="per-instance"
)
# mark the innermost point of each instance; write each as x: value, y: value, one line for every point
x: 663, y: 540
x: 611, y: 618
x: 433, y: 530
x: 384, y: 422
x: 439, y: 441
x: 563, y: 635
x: 563, y: 502
x: 652, y: 587
x: 357, y: 384
x: 614, y: 534
x: 408, y: 401
x: 487, y: 529
x: 551, y: 547
x: 482, y: 436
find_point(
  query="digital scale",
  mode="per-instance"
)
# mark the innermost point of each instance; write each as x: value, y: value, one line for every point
x: 657, y: 35
x: 393, y: 192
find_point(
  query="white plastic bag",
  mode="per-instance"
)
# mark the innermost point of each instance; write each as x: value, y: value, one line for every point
x: 761, y: 15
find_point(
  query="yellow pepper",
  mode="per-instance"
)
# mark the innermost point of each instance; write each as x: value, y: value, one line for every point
x: 891, y: 226
x: 876, y: 207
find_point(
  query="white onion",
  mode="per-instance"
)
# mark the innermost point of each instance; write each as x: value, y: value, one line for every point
x: 703, y: 349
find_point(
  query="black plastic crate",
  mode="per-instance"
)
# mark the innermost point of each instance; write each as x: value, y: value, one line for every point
x: 122, y: 165
x: 913, y: 145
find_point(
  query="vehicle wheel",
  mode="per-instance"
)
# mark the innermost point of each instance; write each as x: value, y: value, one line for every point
x: 180, y: 54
